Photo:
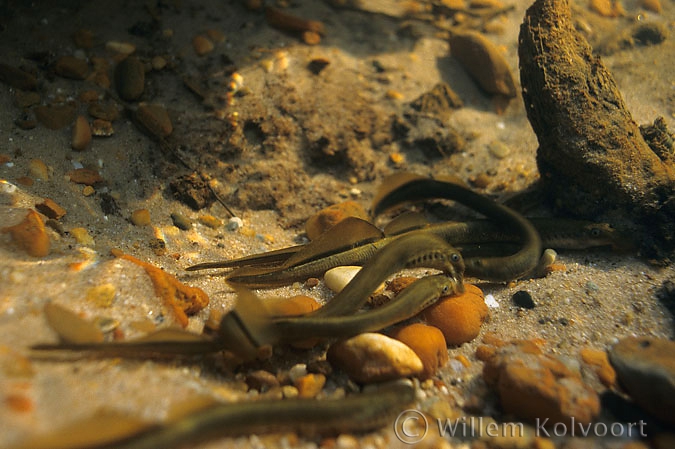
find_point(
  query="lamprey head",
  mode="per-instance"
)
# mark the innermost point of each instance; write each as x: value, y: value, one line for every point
x: 445, y: 258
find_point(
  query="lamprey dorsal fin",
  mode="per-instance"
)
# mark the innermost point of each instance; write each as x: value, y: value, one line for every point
x: 390, y: 184
x: 407, y: 221
x: 346, y: 234
x: 267, y: 259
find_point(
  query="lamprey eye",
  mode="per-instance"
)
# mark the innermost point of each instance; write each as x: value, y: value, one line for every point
x: 455, y: 257
x: 595, y: 232
x: 445, y: 290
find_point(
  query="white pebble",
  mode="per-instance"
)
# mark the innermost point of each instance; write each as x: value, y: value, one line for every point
x: 337, y: 278
x: 234, y: 223
x: 491, y: 302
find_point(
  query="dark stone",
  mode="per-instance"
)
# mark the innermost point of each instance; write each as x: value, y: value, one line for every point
x: 523, y: 299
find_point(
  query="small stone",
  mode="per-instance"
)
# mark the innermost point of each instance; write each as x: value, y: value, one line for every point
x: 123, y: 48
x: 651, y: 5
x: 71, y: 67
x: 193, y: 191
x: 428, y: 343
x: 30, y: 235
x: 398, y: 284
x: 102, y: 128
x: 210, y: 221
x: 103, y: 111
x: 294, y: 306
x: 85, y: 176
x: 458, y: 317
x: 317, y: 65
x: 50, y: 209
x: 523, y: 299
x: 158, y: 62
x: 81, y: 236
x: 484, y: 62
x: 330, y: 216
x: 130, y: 78
x: 81, y: 134
x: 216, y: 36
x: 311, y: 37
x: 154, y: 119
x: 88, y: 191
x: 140, y: 217
x: 599, y: 362
x: 55, y: 116
x: 261, y: 380
x: 535, y: 386
x: 297, y: 371
x: 310, y: 385
x: 499, y: 149
x: 25, y: 181
x: 607, y: 8
x: 234, y: 223
x: 102, y: 295
x: 38, y: 170
x: 70, y: 326
x: 337, y: 278
x: 645, y: 367
x: 289, y: 391
x: 181, y: 221
x: 372, y: 357
x: 202, y: 45
x: 83, y: 39
x: 17, y: 78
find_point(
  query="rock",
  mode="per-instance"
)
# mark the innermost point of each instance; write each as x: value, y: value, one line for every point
x: 372, y: 357
x: 310, y: 385
x: 30, y: 235
x: 294, y: 306
x: 651, y: 5
x: 154, y: 119
x: 599, y: 362
x: 484, y: 63
x: 140, y: 217
x: 81, y: 236
x: 193, y: 191
x: 210, y: 221
x: 55, y: 116
x: 326, y: 218
x: 181, y: 221
x: 440, y: 101
x: 71, y: 67
x: 81, y: 134
x: 538, y: 387
x: 85, y: 176
x: 202, y: 45
x: 50, y: 209
x: 428, y: 343
x: 102, y: 295
x: 70, y: 327
x: 337, y: 278
x: 17, y: 78
x: 38, y: 169
x: 84, y: 39
x: 592, y: 158
x: 102, y: 128
x: 523, y: 299
x: 645, y: 367
x: 130, y: 79
x: 103, y: 111
x: 261, y: 380
x: 458, y: 317
x: 123, y: 48
x: 607, y: 8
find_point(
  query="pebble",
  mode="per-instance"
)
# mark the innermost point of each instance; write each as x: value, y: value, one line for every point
x: 202, y: 45
x: 337, y: 278
x: 140, y: 217
x: 234, y: 223
x: 123, y: 48
x: 532, y: 385
x: 50, y: 209
x: 310, y: 385
x: 293, y: 306
x: 651, y: 5
x: 85, y: 176
x: 88, y: 191
x: 70, y: 326
x: 523, y: 299
x: 210, y: 221
x: 81, y: 236
x: 599, y: 362
x: 102, y: 295
x: 154, y: 119
x: 458, y: 317
x: 55, y: 116
x: 81, y: 137
x: 30, y: 235
x: 372, y: 357
x: 102, y: 128
x: 499, y: 149
x: 484, y: 62
x: 17, y: 78
x: 181, y: 221
x: 326, y: 218
x: 297, y: 371
x: 261, y: 380
x: 607, y: 8
x: 130, y: 78
x: 38, y: 170
x: 71, y: 67
x: 103, y: 111
x: 645, y: 367
x: 428, y: 343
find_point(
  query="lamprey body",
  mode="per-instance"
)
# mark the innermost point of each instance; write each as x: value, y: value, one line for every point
x: 369, y: 410
x: 412, y: 188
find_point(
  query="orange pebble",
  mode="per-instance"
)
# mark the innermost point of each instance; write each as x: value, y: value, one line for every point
x: 458, y: 317
x: 599, y: 361
x: 293, y: 306
x: 428, y: 343
x: 327, y: 218
x: 30, y: 235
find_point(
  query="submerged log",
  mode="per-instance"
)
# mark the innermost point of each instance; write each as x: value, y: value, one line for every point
x: 592, y: 157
